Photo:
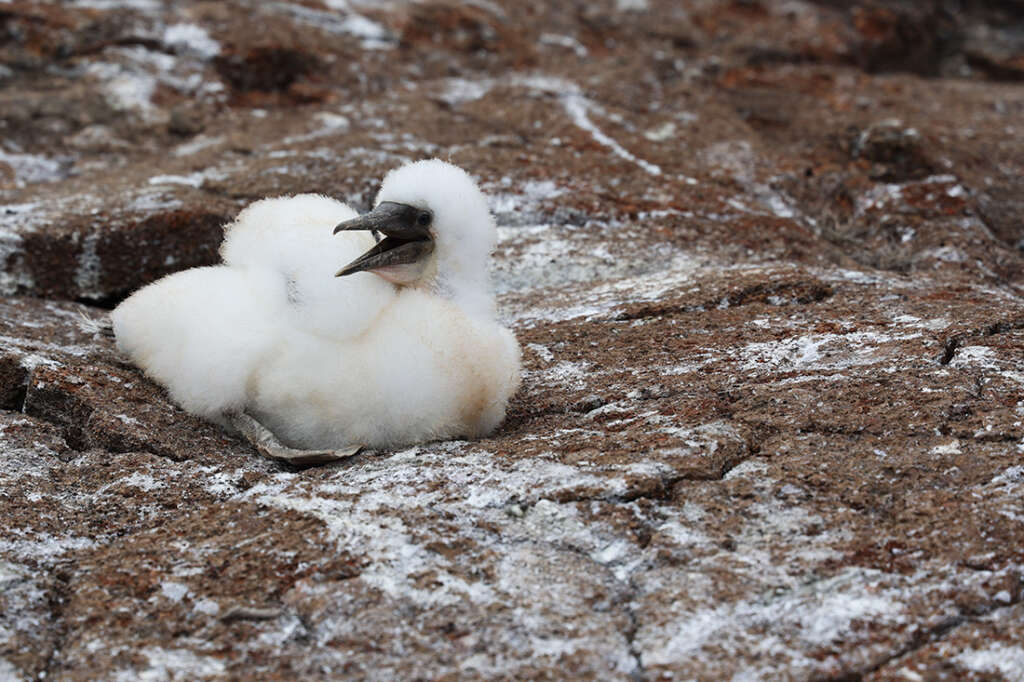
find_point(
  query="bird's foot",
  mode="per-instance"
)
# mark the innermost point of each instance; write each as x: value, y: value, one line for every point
x: 269, y: 446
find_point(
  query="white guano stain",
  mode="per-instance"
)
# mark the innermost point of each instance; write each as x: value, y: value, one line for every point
x: 996, y: 658
x: 33, y: 168
x: 576, y: 106
x: 191, y: 39
x: 173, y: 664
x: 89, y: 267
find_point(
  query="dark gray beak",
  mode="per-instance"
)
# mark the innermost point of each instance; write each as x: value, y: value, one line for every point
x: 406, y: 231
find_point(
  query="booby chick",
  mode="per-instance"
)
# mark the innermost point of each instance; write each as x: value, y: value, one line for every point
x: 311, y: 363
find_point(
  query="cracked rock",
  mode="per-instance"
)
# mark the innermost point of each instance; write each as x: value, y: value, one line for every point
x: 764, y: 260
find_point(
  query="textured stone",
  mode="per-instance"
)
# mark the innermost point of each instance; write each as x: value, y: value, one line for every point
x: 765, y: 263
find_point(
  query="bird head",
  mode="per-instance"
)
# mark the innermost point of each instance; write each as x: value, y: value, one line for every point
x: 435, y: 225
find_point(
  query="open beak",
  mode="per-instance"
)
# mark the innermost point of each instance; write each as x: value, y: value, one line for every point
x: 406, y: 239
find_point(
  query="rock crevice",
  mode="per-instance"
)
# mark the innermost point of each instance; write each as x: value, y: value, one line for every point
x: 764, y: 261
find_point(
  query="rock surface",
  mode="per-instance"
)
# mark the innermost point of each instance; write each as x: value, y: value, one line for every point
x: 766, y: 261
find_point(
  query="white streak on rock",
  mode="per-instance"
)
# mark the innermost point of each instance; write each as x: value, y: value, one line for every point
x: 190, y: 38
x: 9, y: 672
x: 341, y: 21
x: 12, y: 277
x: 197, y: 144
x: 143, y: 482
x: 568, y: 42
x: 173, y: 591
x: 997, y: 658
x: 139, y: 5
x: 460, y: 90
x: 192, y: 179
x: 207, y: 606
x: 817, y: 614
x: 173, y: 664
x: 578, y: 108
x: 127, y: 91
x: 981, y: 357
x: 87, y: 274
x: 541, y: 351
x: 30, y: 168
x: 818, y: 351
x: 43, y: 546
x: 951, y: 448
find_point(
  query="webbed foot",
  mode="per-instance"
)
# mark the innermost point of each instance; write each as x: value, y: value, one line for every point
x: 269, y: 446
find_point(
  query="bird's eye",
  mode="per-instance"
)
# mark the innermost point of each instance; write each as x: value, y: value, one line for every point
x: 424, y: 218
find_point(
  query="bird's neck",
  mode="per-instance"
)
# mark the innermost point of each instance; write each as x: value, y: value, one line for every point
x: 473, y: 294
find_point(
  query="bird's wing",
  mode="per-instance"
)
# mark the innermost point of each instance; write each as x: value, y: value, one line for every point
x: 202, y: 333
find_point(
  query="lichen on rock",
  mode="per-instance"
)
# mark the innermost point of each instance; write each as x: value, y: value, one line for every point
x: 765, y: 263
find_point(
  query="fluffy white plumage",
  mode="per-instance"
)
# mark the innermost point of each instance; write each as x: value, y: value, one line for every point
x: 330, y: 362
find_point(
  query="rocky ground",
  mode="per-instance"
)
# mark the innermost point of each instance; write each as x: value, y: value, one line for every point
x: 766, y: 262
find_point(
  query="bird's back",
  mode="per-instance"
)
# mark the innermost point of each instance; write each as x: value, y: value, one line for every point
x: 204, y: 332
x: 200, y: 332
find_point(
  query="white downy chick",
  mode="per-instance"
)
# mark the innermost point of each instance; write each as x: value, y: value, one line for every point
x: 402, y: 346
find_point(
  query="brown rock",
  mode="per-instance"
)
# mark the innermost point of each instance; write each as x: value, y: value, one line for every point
x: 765, y: 263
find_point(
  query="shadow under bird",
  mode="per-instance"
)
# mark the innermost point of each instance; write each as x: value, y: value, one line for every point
x: 311, y: 363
